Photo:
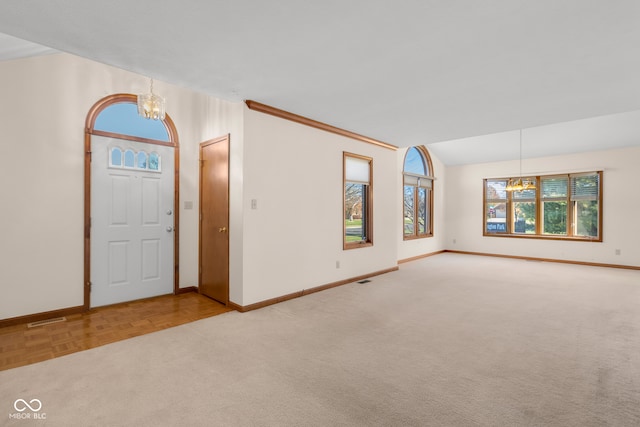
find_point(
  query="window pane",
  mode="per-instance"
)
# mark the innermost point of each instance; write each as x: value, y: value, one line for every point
x: 496, y: 217
x: 142, y: 160
x: 496, y: 189
x: 123, y: 118
x: 409, y: 209
x: 154, y: 161
x: 554, y: 218
x: 116, y: 157
x: 553, y: 187
x: 355, y: 221
x: 524, y: 217
x: 586, y: 218
x: 584, y: 187
x: 525, y: 194
x: 129, y: 159
x: 422, y: 210
x: 414, y: 163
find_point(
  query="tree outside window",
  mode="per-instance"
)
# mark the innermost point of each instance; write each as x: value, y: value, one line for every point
x: 357, y: 177
x: 417, y: 194
x: 563, y: 206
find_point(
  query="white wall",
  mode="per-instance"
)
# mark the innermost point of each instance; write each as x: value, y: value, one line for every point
x: 621, y: 205
x: 416, y: 247
x: 43, y: 108
x: 294, y: 238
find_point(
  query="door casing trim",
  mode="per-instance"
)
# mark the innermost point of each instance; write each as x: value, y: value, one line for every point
x: 89, y: 130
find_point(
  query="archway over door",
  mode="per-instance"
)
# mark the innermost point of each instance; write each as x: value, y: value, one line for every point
x: 128, y: 137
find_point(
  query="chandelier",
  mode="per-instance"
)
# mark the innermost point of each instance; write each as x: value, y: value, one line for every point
x: 520, y: 184
x: 151, y: 106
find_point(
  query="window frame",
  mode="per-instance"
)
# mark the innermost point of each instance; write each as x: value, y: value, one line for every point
x: 571, y: 221
x: 428, y: 199
x: 367, y: 211
x: 511, y: 219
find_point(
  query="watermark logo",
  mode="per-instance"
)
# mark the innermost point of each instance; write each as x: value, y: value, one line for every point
x: 28, y: 410
x: 21, y: 405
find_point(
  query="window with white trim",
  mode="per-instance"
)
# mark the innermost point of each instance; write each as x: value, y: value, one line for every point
x: 128, y: 159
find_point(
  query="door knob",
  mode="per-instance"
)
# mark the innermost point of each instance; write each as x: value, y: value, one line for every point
x: 222, y: 229
x: 169, y: 229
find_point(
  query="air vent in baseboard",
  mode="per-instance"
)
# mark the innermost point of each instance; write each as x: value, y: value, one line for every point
x: 46, y: 322
x: 364, y: 281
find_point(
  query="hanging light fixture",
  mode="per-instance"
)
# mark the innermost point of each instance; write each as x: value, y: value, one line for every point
x: 151, y: 106
x: 520, y: 184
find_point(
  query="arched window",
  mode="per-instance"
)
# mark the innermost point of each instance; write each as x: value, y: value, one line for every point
x: 417, y: 194
x: 116, y: 157
x: 129, y: 157
x: 122, y: 118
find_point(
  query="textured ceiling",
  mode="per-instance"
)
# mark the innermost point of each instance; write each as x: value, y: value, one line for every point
x: 15, y: 48
x: 404, y: 72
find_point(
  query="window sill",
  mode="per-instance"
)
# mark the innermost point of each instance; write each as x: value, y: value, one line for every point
x: 356, y: 245
x: 422, y: 236
x: 543, y: 237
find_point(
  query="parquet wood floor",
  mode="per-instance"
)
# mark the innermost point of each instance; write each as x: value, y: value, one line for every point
x: 21, y: 345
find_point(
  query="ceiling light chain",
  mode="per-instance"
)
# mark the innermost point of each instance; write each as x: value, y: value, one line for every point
x: 520, y: 184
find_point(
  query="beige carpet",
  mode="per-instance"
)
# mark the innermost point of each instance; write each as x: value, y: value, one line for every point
x: 451, y: 340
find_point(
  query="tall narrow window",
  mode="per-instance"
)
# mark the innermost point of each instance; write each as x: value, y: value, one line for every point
x: 554, y: 205
x: 358, y: 190
x: 585, y: 198
x: 495, y: 206
x: 417, y: 194
x: 524, y: 211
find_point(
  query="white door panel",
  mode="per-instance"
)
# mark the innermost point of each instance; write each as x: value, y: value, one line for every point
x: 151, y: 252
x: 118, y: 263
x: 131, y: 223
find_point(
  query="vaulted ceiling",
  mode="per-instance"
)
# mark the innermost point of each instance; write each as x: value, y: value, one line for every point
x: 460, y: 76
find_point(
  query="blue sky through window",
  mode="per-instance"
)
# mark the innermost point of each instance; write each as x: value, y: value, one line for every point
x: 414, y: 162
x: 123, y: 118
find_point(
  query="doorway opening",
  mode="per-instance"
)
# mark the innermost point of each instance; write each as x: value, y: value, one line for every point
x: 131, y: 215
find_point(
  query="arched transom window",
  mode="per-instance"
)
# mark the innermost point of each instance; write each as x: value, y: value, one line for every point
x: 417, y: 194
x: 122, y: 118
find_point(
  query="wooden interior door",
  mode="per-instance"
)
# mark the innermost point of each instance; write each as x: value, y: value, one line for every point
x: 214, y: 219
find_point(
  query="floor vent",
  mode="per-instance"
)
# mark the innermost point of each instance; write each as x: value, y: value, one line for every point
x: 46, y: 322
x: 362, y: 282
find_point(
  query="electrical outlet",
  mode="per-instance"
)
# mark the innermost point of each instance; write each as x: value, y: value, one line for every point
x: 337, y: 264
x: 454, y: 241
x: 254, y: 203
x: 618, y: 251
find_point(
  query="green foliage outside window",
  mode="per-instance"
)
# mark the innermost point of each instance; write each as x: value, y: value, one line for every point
x: 566, y: 206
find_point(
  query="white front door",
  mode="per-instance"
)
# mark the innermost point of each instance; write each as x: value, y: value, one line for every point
x: 132, y: 220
